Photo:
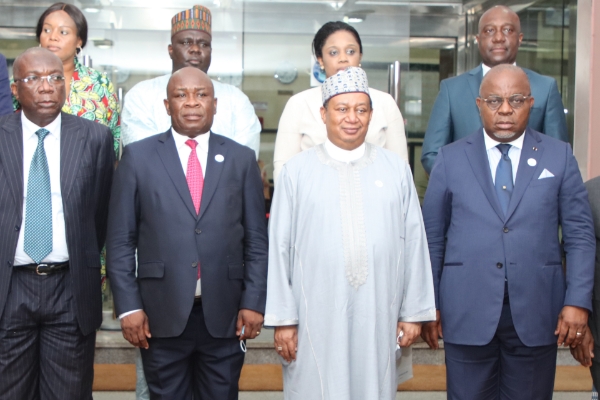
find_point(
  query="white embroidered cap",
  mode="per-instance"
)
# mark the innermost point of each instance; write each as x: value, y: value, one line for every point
x: 350, y: 80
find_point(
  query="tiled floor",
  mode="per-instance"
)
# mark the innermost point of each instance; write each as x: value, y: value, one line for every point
x: 279, y: 396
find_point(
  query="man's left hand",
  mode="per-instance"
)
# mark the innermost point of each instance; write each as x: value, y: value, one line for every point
x: 411, y: 330
x: 252, y: 321
x: 572, y: 326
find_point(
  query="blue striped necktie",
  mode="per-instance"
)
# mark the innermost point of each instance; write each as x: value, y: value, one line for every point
x: 504, y: 178
x: 38, y: 206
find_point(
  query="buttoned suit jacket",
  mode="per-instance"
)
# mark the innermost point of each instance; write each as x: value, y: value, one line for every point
x: 151, y: 211
x: 86, y: 169
x: 473, y: 246
x: 455, y: 114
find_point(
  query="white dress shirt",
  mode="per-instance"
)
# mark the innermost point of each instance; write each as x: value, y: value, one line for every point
x: 144, y: 113
x: 184, y: 151
x: 486, y: 69
x: 342, y: 155
x: 59, y: 253
x: 494, y: 154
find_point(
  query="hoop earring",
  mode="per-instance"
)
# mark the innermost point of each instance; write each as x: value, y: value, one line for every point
x: 79, y: 49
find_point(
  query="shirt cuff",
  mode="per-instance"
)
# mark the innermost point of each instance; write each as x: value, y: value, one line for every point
x: 129, y: 313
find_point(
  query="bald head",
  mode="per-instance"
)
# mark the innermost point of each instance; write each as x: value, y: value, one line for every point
x: 499, y: 11
x: 43, y: 56
x: 191, y: 102
x: 512, y: 73
x: 499, y: 36
x: 41, y: 98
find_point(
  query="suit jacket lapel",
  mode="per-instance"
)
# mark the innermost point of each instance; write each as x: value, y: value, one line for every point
x: 480, y: 164
x: 213, y: 170
x: 525, y: 171
x: 475, y: 78
x: 11, y: 158
x: 167, y: 152
x: 72, y: 142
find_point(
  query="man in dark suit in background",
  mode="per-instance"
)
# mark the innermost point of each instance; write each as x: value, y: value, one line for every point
x: 55, y: 178
x: 492, y: 213
x: 6, y: 105
x: 190, y: 202
x: 585, y: 353
x: 455, y: 115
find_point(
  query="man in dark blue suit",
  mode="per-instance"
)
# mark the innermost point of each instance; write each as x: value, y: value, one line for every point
x: 493, y: 208
x: 6, y: 105
x: 455, y: 115
x: 190, y: 202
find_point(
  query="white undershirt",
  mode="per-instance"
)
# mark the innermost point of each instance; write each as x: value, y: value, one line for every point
x: 342, y: 155
x: 60, y: 252
x: 494, y: 154
x: 486, y: 69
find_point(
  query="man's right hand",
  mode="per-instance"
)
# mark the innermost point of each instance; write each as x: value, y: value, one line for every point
x: 432, y: 331
x: 286, y: 342
x: 136, y: 329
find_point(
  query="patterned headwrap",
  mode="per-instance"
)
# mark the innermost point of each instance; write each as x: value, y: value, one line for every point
x: 198, y: 18
x: 350, y: 80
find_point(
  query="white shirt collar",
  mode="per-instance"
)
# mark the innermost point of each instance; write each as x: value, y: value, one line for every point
x: 29, y: 128
x: 342, y: 155
x: 202, y: 140
x: 491, y: 143
x: 486, y: 69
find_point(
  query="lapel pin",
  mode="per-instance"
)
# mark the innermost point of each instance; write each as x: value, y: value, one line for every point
x: 219, y: 158
x: 532, y: 162
x: 534, y: 148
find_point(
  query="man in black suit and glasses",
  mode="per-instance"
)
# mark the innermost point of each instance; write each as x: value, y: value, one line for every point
x: 55, y: 178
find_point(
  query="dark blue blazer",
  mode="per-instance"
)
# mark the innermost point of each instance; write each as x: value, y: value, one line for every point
x: 151, y: 211
x: 86, y: 170
x: 6, y: 105
x: 472, y: 244
x: 455, y: 114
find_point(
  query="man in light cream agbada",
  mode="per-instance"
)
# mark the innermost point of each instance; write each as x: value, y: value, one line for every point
x: 349, y: 279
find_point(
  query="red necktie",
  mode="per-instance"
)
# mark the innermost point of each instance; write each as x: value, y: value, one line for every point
x: 194, y: 176
x: 195, y: 179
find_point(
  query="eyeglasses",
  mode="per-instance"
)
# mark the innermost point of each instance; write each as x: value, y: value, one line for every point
x: 516, y: 101
x: 34, y: 80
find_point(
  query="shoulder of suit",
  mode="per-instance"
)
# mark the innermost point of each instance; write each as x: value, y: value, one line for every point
x: 10, y: 118
x: 460, y: 79
x: 593, y: 187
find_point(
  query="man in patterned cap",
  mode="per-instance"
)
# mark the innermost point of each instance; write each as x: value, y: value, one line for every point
x: 144, y: 112
x: 349, y: 278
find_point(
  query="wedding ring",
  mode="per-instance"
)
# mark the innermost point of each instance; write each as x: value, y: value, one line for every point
x: 279, y: 348
x: 258, y: 333
x: 578, y: 333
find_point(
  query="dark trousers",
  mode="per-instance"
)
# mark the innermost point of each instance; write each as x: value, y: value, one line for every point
x: 43, y: 354
x: 194, y: 364
x: 504, y: 369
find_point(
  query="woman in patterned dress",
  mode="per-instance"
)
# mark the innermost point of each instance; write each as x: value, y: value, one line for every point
x: 63, y: 30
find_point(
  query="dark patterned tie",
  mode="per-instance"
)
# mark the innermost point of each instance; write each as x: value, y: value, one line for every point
x: 38, y: 206
x: 504, y: 178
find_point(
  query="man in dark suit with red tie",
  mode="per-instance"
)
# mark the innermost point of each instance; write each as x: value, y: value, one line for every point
x: 55, y: 176
x: 190, y: 202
